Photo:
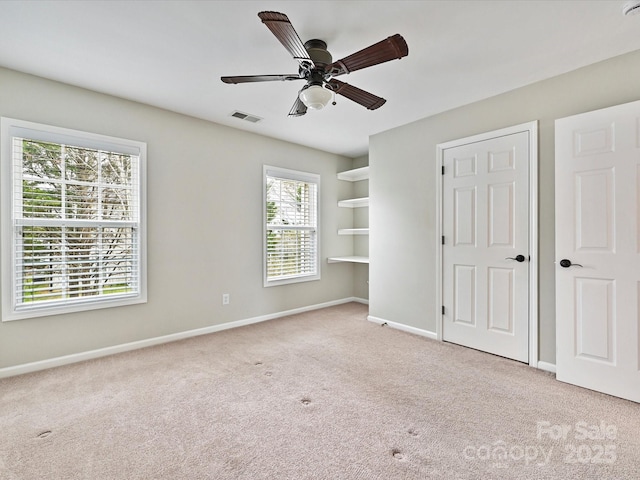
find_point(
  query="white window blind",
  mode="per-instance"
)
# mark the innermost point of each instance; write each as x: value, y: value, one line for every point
x: 291, y: 226
x: 76, y: 222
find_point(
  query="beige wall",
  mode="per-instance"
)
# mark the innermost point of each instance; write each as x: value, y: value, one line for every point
x: 404, y: 175
x: 204, y: 222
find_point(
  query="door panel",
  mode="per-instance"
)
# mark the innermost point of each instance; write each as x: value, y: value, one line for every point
x: 594, y: 217
x: 465, y: 216
x: 501, y: 299
x: 595, y: 319
x: 465, y: 294
x: 597, y: 230
x: 485, y: 209
x: 501, y: 210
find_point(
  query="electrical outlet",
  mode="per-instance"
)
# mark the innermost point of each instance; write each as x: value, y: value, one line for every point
x: 226, y: 299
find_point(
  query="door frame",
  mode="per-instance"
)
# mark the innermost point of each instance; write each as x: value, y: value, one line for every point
x: 532, y: 129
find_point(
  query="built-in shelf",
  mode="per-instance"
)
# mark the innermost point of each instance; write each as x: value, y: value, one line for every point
x: 351, y: 259
x: 354, y: 202
x: 353, y: 231
x: 354, y: 175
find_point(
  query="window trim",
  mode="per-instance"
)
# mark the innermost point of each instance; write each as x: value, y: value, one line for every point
x: 9, y: 128
x: 286, y: 173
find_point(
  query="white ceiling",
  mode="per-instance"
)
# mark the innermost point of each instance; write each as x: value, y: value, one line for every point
x: 171, y: 54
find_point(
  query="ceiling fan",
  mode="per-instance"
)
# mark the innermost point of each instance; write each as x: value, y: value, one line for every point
x: 317, y: 67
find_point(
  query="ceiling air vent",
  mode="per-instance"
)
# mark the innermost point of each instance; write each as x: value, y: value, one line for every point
x: 631, y: 8
x: 246, y: 116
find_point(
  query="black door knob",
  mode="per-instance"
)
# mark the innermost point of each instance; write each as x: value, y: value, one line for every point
x: 566, y: 263
x: 517, y: 258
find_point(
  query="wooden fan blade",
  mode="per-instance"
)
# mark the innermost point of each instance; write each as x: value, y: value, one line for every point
x: 391, y: 48
x: 298, y: 108
x: 281, y: 27
x: 260, y: 78
x: 366, y: 99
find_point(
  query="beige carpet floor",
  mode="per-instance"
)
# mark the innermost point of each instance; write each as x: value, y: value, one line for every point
x: 320, y: 395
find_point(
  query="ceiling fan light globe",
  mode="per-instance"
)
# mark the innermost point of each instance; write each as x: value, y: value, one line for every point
x: 315, y: 97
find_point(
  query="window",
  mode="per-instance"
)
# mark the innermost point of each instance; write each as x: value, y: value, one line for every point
x: 290, y: 226
x: 73, y: 235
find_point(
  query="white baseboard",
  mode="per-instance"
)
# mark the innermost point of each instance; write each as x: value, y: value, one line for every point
x: 404, y: 328
x: 547, y: 367
x: 149, y: 342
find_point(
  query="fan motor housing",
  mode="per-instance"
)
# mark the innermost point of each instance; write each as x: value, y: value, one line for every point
x: 318, y: 52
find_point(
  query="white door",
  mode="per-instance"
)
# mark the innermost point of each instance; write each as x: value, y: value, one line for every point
x: 485, y: 252
x: 598, y: 250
